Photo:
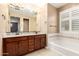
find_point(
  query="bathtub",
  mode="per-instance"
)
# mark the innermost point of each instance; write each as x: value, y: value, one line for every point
x: 65, y: 45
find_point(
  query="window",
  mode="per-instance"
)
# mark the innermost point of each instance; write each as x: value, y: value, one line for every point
x: 75, y: 19
x: 64, y: 17
x: 75, y: 25
x: 69, y: 20
x: 65, y: 25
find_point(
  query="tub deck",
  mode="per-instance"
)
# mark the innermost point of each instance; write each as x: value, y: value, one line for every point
x: 67, y: 46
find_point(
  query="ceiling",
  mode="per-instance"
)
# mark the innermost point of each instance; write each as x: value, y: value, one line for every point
x: 58, y: 5
x: 35, y: 7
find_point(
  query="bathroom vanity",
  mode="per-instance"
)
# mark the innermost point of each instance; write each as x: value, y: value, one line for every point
x: 21, y: 45
x: 20, y: 33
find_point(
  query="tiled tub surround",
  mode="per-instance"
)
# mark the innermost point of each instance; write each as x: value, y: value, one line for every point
x: 66, y: 45
x: 73, y: 35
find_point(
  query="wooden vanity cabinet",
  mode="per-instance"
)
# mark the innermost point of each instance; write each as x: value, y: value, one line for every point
x: 23, y: 45
x: 43, y: 41
x: 16, y: 46
x: 10, y: 47
x: 37, y: 42
x: 31, y: 43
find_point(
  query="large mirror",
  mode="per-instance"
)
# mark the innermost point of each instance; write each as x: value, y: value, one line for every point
x: 21, y: 19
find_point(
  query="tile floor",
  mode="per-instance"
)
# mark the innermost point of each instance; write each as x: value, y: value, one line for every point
x: 44, y: 52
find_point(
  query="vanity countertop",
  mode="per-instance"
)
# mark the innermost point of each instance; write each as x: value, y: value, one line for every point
x: 7, y: 36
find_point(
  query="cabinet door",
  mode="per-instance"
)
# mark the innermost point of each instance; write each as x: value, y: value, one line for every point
x: 37, y: 42
x: 23, y: 47
x: 43, y: 42
x: 12, y: 48
x: 31, y: 43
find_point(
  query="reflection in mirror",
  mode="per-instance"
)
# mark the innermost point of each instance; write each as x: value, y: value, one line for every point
x: 22, y: 19
x: 25, y: 25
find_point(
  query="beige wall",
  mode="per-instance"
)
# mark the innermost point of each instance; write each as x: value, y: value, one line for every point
x: 52, y: 19
x: 42, y: 19
x: 47, y: 19
x: 4, y: 23
x: 32, y: 24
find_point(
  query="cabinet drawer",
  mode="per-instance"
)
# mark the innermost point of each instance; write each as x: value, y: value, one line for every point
x: 37, y: 36
x: 42, y: 35
x: 10, y: 39
x: 22, y: 38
